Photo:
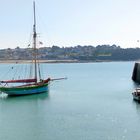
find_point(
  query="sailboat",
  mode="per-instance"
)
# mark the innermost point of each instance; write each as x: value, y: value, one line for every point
x: 28, y: 86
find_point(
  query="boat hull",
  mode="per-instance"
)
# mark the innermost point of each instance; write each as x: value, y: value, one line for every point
x: 137, y: 98
x: 136, y: 94
x: 33, y: 89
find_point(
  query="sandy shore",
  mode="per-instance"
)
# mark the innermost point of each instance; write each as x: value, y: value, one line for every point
x: 41, y: 61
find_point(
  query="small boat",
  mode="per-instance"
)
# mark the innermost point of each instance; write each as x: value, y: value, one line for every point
x: 31, y: 85
x: 136, y: 94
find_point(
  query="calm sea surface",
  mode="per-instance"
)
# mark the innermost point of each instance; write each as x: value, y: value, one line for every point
x: 94, y: 103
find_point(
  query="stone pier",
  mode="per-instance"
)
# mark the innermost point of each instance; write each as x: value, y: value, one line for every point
x: 136, y: 72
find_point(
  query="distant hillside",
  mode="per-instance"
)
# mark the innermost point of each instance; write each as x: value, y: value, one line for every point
x: 79, y: 53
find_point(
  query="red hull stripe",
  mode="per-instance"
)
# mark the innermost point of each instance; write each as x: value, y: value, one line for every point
x: 20, y: 81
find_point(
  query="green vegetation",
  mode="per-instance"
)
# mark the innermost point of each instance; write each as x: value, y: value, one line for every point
x: 79, y: 53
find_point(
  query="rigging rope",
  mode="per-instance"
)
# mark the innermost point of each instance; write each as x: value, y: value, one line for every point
x: 6, y: 74
x: 39, y: 70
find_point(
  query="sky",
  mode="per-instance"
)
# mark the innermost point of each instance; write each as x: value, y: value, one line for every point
x: 68, y: 23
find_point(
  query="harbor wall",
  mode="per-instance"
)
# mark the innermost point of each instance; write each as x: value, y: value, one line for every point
x: 136, y: 72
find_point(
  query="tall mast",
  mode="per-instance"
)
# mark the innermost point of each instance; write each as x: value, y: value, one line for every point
x: 34, y: 42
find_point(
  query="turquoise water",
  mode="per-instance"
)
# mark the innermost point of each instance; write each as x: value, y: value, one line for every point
x: 94, y: 103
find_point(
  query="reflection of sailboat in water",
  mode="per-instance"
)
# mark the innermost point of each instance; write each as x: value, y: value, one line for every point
x: 33, y: 84
x: 37, y: 97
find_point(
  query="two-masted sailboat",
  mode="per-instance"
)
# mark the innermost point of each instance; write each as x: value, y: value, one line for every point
x: 29, y: 85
